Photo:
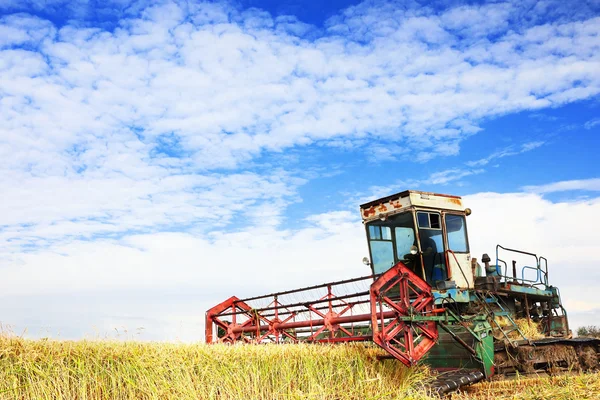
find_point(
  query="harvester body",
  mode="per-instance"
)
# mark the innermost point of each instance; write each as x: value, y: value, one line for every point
x: 426, y: 299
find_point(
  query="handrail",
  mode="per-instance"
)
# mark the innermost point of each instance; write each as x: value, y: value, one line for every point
x: 505, y: 267
x: 541, y: 271
x: 545, y: 267
x: 537, y: 261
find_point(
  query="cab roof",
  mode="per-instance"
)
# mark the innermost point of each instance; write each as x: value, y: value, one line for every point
x: 408, y: 198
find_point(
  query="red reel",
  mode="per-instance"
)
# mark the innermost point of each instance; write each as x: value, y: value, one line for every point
x: 407, y: 335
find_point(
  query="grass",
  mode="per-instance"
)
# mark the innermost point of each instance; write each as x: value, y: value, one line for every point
x: 48, y: 369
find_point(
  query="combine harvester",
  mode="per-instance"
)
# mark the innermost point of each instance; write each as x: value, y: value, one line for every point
x: 425, y: 300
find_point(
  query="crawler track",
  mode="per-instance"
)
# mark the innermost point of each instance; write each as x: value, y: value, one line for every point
x: 449, y: 381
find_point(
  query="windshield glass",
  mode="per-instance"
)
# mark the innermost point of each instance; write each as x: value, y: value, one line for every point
x: 390, y: 241
x: 457, y: 233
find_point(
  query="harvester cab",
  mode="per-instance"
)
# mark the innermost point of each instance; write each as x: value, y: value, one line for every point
x: 425, y: 300
x: 427, y: 232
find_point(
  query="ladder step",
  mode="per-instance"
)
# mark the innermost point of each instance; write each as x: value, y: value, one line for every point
x: 489, y: 299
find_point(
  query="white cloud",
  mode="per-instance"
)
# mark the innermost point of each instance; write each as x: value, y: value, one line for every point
x: 50, y: 209
x: 85, y: 111
x: 478, y: 20
x: 592, y: 184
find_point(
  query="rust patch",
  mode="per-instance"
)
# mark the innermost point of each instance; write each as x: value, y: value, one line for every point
x: 396, y: 204
x: 382, y: 208
x: 369, y: 211
x: 455, y: 201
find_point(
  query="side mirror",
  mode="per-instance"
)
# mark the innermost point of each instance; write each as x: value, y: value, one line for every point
x: 366, y: 261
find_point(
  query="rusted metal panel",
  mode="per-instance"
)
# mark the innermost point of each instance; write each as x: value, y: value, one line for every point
x: 389, y: 207
x: 436, y: 200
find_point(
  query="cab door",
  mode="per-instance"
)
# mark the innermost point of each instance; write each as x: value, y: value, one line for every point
x: 458, y: 255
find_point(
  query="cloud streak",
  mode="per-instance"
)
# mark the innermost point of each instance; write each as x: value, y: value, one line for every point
x: 592, y: 185
x: 506, y: 152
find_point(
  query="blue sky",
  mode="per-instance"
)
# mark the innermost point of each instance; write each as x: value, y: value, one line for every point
x: 146, y: 147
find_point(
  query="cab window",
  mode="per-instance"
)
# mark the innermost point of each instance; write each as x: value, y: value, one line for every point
x: 382, y: 249
x: 430, y: 230
x: 390, y: 241
x: 457, y: 233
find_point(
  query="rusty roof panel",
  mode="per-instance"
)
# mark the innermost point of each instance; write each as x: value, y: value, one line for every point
x: 408, y: 198
x: 405, y: 193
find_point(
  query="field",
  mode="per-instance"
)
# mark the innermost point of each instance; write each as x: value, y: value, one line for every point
x: 47, y: 369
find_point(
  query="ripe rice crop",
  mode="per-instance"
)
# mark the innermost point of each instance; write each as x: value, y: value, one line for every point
x: 49, y: 369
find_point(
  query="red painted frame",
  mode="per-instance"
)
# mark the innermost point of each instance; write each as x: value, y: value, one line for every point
x: 399, y: 303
